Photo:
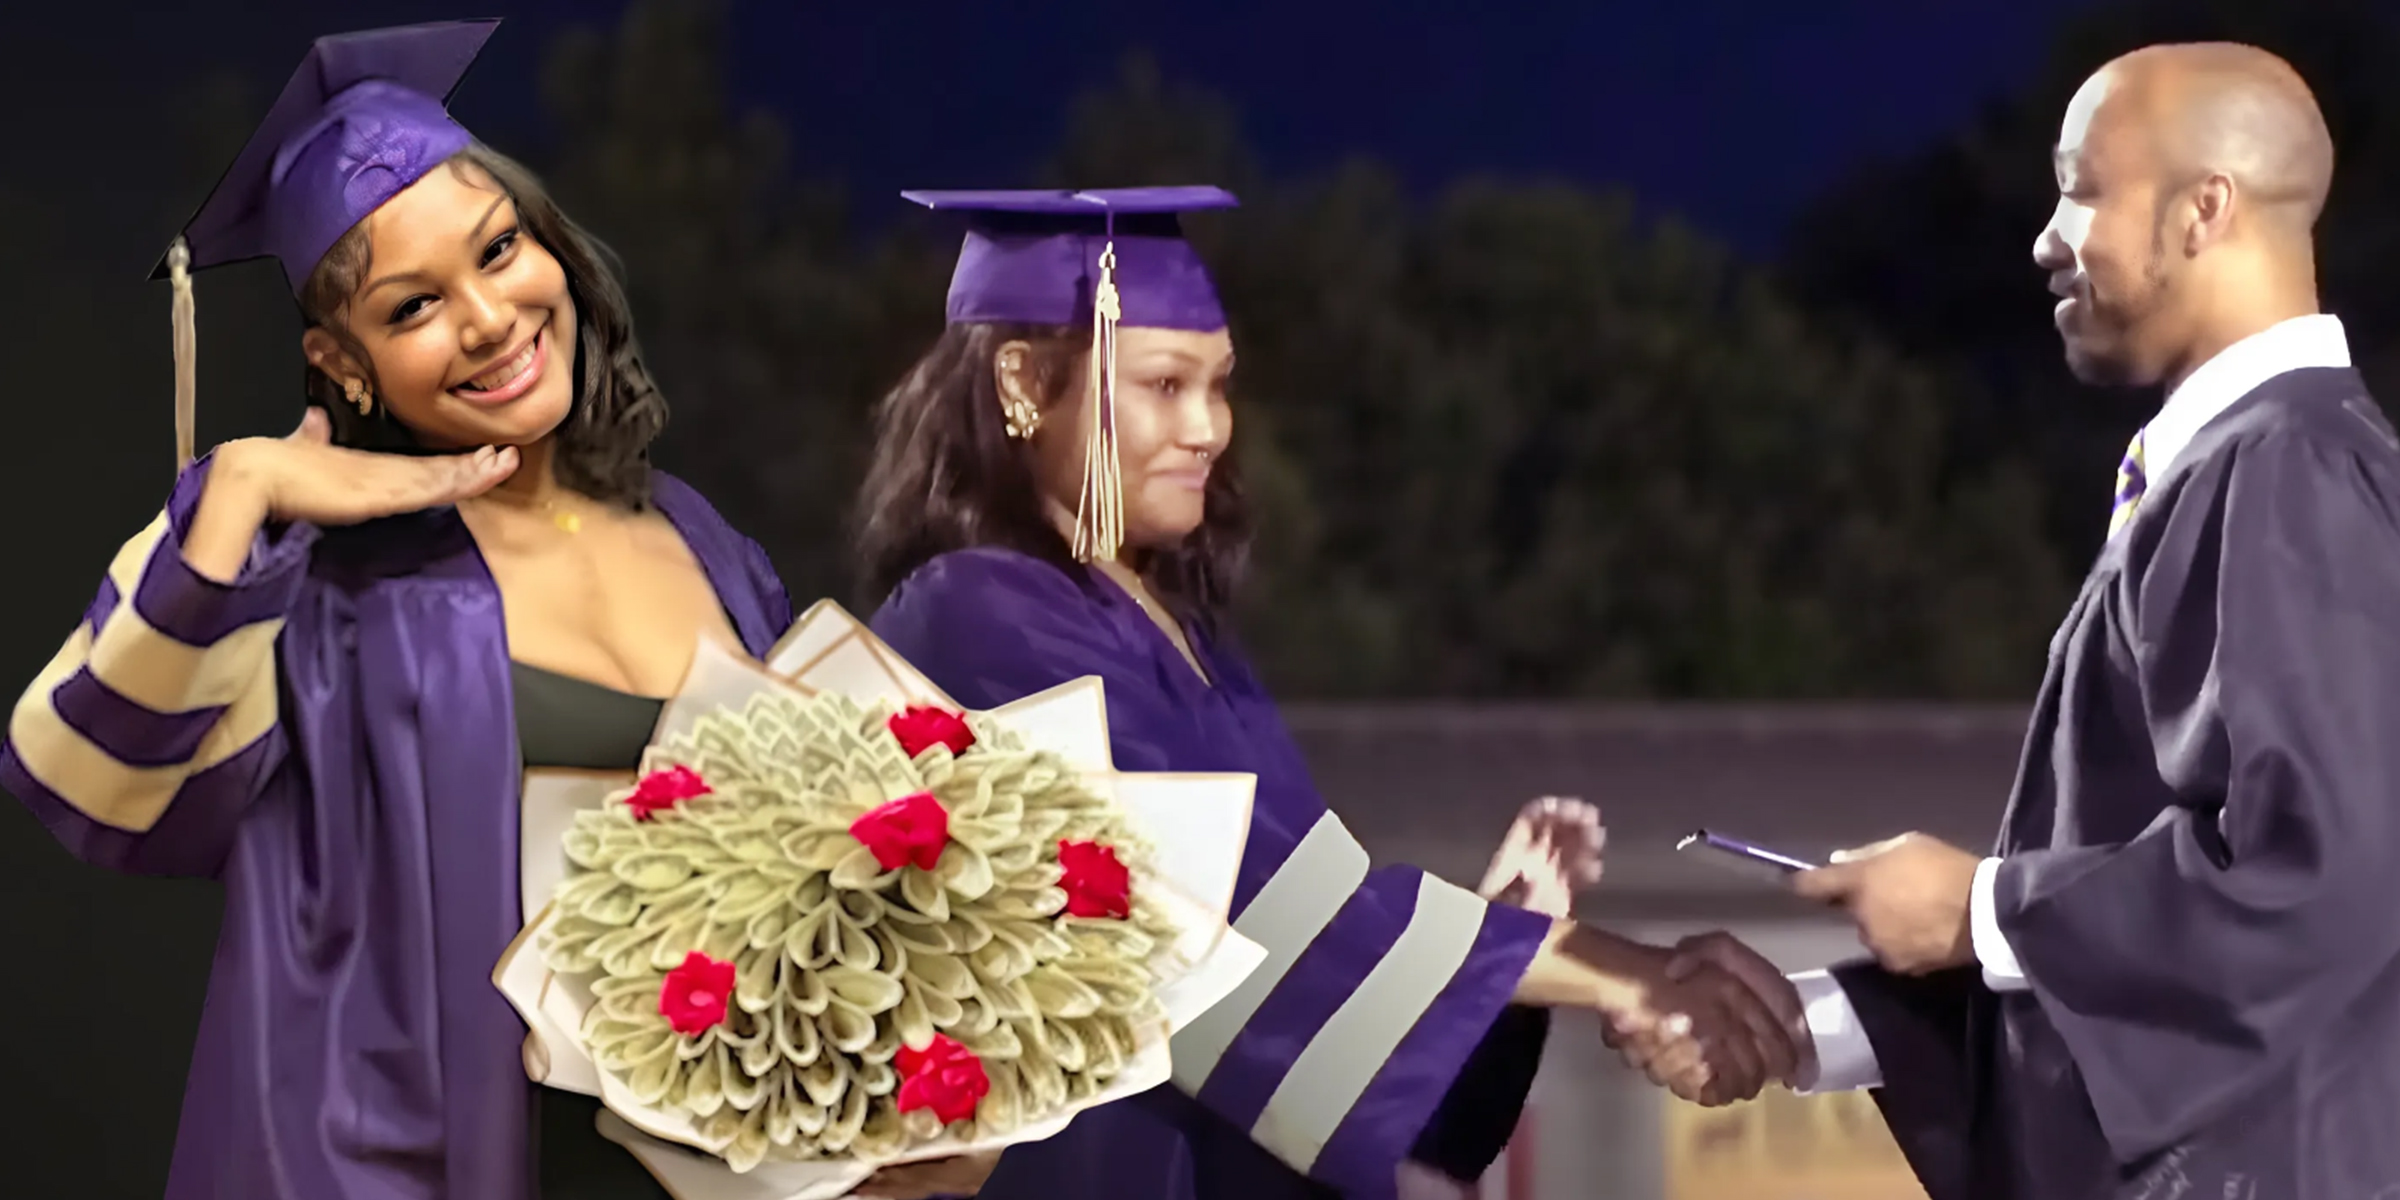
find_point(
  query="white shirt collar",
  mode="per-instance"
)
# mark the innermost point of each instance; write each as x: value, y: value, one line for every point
x: 2316, y: 340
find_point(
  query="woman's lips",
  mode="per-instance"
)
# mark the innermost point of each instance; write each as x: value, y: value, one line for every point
x: 512, y: 378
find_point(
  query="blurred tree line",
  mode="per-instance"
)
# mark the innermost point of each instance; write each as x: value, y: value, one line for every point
x: 1510, y: 439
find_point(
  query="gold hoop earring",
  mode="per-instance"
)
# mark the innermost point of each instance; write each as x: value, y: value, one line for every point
x: 360, y: 397
x: 1021, y: 416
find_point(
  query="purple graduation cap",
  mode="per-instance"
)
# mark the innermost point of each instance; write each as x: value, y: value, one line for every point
x: 1035, y: 256
x: 360, y: 120
x: 1110, y: 257
x: 363, y: 118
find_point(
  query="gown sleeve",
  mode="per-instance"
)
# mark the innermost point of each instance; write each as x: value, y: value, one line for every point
x: 144, y: 740
x: 1379, y: 981
x: 1477, y: 1117
x: 1920, y: 1026
x: 2183, y: 966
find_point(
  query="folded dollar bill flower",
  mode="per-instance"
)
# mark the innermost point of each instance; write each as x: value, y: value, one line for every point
x: 836, y: 923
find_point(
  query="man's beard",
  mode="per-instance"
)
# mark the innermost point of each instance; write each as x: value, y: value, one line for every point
x: 2105, y: 355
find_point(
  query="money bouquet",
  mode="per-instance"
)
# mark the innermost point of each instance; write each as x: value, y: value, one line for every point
x: 837, y: 922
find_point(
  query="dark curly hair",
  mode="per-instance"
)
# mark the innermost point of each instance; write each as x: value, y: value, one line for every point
x: 945, y: 476
x: 603, y: 448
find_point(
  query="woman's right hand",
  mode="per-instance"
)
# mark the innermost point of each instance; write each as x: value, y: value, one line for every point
x: 305, y: 477
x: 929, y: 1179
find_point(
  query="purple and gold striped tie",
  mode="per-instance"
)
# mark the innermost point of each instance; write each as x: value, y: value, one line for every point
x: 2132, y: 480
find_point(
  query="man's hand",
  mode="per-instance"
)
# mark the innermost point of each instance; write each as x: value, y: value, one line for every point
x: 1909, y: 897
x: 959, y: 1175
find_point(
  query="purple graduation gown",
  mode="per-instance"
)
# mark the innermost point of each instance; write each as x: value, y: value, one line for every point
x: 2198, y: 864
x: 1381, y: 984
x: 331, y: 737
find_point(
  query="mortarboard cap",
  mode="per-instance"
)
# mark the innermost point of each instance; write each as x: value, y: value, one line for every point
x: 362, y: 119
x: 1034, y: 256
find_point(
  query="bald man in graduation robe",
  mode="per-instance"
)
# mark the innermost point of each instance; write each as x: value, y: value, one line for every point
x: 2179, y: 973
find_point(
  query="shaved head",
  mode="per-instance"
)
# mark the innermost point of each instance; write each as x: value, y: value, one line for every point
x: 2190, y: 182
x: 2220, y: 108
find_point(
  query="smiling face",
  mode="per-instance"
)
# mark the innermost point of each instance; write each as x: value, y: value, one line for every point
x: 2107, y: 245
x: 1173, y: 421
x: 464, y: 322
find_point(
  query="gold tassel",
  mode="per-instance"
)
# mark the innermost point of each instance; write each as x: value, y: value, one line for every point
x: 1100, y: 510
x: 187, y: 349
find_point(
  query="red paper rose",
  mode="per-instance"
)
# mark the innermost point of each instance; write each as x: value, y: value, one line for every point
x: 663, y: 790
x: 909, y: 829
x: 1097, y: 885
x: 944, y: 1076
x: 921, y: 726
x: 694, y: 995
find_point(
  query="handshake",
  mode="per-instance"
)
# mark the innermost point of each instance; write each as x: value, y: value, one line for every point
x: 1709, y: 1019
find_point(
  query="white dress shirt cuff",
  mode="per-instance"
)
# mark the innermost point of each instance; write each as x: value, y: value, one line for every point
x: 2001, y: 971
x: 1845, y: 1058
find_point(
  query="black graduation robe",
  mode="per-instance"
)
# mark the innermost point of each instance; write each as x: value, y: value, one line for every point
x: 2201, y: 857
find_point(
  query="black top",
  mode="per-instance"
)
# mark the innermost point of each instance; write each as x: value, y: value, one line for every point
x: 563, y: 721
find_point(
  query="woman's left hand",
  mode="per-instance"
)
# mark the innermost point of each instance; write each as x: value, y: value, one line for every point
x: 1551, y: 852
x: 961, y: 1175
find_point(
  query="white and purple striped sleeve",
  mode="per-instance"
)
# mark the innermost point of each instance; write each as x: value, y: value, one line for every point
x: 1378, y: 984
x: 142, y: 741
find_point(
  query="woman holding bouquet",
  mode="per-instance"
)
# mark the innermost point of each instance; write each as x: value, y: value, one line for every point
x: 1051, y: 497
x: 319, y: 673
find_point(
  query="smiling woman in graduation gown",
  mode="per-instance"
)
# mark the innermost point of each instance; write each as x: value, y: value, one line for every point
x: 323, y: 714
x: 1042, y: 511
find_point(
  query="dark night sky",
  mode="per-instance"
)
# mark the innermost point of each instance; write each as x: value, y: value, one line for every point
x: 1730, y: 111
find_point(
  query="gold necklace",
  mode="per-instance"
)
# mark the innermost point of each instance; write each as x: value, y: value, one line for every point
x: 566, y: 519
